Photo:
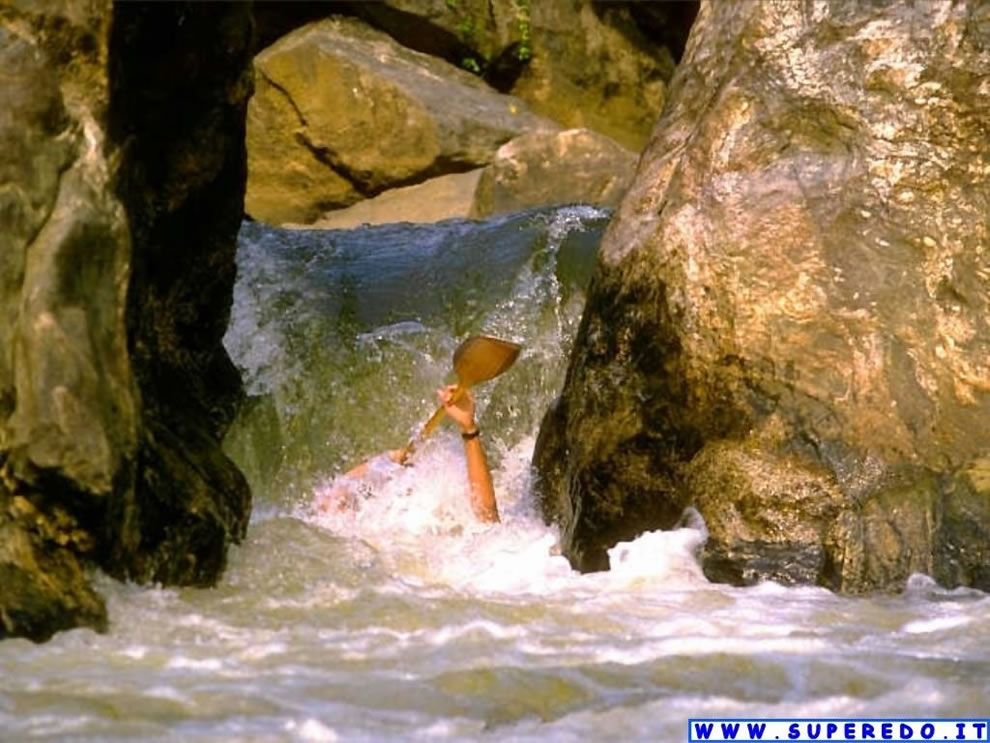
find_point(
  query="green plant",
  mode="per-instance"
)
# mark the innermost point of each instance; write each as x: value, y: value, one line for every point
x: 525, y: 49
x: 466, y: 27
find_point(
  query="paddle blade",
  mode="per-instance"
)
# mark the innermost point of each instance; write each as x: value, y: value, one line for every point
x: 482, y: 357
x: 476, y: 360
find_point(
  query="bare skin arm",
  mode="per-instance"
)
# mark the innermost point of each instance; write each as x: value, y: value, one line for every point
x: 396, y: 455
x: 482, y: 490
x: 461, y: 411
x: 340, y: 498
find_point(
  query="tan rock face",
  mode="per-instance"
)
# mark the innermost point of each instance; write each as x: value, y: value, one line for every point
x: 287, y: 180
x: 443, y: 197
x: 342, y: 112
x: 576, y: 166
x: 592, y: 68
x: 790, y: 315
x: 547, y: 168
x: 581, y: 63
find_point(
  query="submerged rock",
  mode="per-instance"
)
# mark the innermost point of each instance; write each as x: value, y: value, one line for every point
x: 123, y: 154
x: 788, y: 323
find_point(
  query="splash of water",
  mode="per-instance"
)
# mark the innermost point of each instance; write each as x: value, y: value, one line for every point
x: 404, y: 618
x: 344, y: 336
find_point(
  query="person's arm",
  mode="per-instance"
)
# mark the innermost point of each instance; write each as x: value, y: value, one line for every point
x: 341, y: 497
x: 398, y: 456
x: 461, y: 411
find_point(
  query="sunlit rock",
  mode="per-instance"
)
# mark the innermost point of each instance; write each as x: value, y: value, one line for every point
x: 600, y: 66
x: 576, y: 166
x: 342, y: 112
x: 788, y: 324
x: 444, y: 197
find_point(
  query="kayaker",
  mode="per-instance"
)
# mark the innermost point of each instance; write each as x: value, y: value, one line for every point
x: 482, y: 491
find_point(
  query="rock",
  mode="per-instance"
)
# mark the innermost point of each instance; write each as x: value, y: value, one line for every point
x: 577, y: 166
x: 44, y: 589
x: 288, y: 181
x: 482, y: 37
x: 443, y: 197
x: 63, y: 350
x: 549, y: 168
x: 593, y: 68
x: 788, y: 324
x: 122, y: 151
x: 665, y: 24
x: 179, y: 103
x: 581, y: 63
x: 273, y: 19
x: 342, y: 112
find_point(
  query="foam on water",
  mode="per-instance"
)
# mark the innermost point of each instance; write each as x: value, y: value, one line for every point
x: 420, y: 515
x: 405, y: 618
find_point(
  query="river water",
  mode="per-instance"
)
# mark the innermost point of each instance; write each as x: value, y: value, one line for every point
x: 404, y: 619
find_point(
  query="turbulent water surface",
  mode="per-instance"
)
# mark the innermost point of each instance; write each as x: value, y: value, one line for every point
x: 402, y: 618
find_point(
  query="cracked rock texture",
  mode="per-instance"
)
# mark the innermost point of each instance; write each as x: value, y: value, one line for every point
x: 787, y: 327
x: 122, y: 166
x: 342, y: 112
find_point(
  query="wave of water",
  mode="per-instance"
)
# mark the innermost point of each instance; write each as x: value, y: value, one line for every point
x: 405, y: 619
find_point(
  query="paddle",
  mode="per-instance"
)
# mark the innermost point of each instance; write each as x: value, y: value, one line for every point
x: 476, y: 360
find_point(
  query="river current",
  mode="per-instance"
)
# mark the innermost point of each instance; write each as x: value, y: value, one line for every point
x: 404, y: 619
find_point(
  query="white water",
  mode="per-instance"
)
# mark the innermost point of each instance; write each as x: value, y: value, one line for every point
x: 408, y: 620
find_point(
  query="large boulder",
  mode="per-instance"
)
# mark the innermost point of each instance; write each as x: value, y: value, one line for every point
x: 342, y: 112
x: 788, y: 325
x: 123, y: 158
x: 593, y: 68
x: 601, y: 66
x: 486, y: 37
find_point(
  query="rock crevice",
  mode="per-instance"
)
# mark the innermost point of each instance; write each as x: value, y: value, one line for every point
x: 115, y: 286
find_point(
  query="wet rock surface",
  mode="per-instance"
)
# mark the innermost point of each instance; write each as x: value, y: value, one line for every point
x: 788, y: 324
x: 115, y: 281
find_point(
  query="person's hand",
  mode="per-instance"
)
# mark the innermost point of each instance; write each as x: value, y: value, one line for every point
x: 461, y: 411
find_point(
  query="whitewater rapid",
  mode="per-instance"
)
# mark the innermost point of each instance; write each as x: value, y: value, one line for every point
x: 406, y: 619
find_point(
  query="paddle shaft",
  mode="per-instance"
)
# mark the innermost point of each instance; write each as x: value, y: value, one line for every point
x: 476, y: 360
x: 431, y: 424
